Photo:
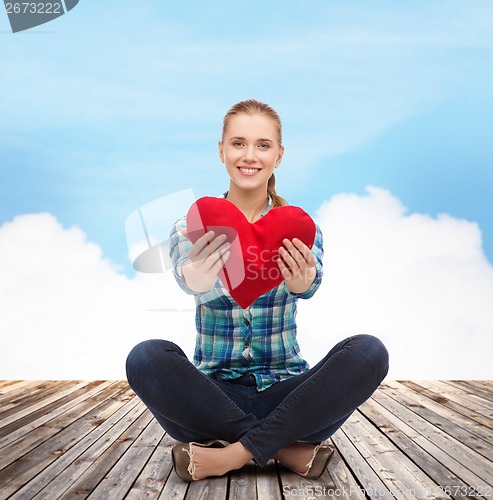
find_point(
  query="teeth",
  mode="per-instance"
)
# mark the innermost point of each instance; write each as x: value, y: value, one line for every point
x: 249, y: 170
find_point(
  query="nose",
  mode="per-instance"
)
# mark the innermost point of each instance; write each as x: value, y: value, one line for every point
x: 249, y: 154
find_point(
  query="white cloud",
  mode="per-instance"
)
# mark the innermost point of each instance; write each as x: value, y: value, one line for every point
x: 421, y: 284
x: 67, y: 313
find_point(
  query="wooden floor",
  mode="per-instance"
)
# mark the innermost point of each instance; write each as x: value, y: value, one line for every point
x: 76, y: 439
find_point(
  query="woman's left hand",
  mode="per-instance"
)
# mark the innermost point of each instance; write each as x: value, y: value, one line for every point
x: 297, y: 265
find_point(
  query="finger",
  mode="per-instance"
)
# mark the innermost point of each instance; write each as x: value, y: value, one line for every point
x: 305, y: 252
x: 209, y: 261
x: 197, y: 251
x: 292, y: 264
x: 286, y: 273
x: 294, y: 252
x: 213, y: 246
x: 217, y: 243
x: 220, y: 262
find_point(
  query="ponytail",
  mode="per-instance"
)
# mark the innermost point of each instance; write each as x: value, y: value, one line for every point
x: 277, y: 201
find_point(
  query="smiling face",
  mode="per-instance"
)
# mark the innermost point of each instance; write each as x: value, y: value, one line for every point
x: 251, y: 151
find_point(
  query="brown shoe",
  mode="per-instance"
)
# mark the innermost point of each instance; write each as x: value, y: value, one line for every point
x: 316, y: 466
x: 183, y: 457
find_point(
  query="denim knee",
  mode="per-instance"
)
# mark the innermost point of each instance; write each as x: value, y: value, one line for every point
x: 375, y: 350
x: 137, y: 358
x: 146, y: 353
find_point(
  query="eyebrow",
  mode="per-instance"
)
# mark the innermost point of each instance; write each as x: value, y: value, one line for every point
x: 261, y: 139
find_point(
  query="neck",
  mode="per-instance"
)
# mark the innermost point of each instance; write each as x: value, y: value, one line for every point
x: 250, y: 203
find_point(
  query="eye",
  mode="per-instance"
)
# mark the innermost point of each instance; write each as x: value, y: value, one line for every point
x: 264, y: 146
x: 237, y: 144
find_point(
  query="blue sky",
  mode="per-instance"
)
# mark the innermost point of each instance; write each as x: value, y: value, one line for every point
x: 117, y: 104
x: 120, y: 103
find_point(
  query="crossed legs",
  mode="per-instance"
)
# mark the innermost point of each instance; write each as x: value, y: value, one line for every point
x: 192, y: 407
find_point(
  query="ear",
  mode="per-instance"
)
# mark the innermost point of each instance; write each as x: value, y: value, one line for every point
x: 221, y: 150
x: 279, y: 158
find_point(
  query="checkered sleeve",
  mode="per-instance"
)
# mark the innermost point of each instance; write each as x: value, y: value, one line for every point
x: 179, y: 247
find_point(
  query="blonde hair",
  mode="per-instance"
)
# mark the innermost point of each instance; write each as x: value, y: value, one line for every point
x: 252, y: 107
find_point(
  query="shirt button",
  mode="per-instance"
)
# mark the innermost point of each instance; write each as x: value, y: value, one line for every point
x: 247, y: 323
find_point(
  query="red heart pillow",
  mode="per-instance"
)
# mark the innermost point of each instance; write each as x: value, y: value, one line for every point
x: 251, y: 269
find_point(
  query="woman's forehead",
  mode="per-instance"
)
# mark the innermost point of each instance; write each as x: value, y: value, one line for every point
x: 247, y: 125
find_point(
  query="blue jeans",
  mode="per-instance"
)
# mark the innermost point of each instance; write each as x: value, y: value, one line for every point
x: 192, y: 406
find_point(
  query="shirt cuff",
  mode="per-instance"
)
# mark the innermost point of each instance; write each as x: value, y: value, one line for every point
x: 310, y: 291
x: 181, y: 279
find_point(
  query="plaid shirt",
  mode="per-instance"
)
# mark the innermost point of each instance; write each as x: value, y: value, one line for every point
x: 260, y: 339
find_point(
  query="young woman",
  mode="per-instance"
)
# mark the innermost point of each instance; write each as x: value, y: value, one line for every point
x: 248, y: 393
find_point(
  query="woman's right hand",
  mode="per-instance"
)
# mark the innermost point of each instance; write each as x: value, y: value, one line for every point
x: 206, y: 258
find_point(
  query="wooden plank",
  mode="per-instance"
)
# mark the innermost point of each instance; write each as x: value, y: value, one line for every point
x: 96, y: 464
x: 425, y: 454
x: 450, y: 402
x: 441, y: 417
x: 35, y: 387
x: 296, y: 486
x: 21, y: 470
x: 487, y: 385
x: 12, y: 395
x: 64, y: 403
x: 119, y: 480
x: 478, y: 391
x: 453, y: 454
x: 24, y: 399
x: 23, y: 432
x: 469, y: 400
x: 242, y: 483
x: 411, y: 440
x: 153, y: 476
x: 37, y: 403
x: 37, y: 432
x: 100, y: 440
x: 268, y: 482
x: 8, y: 386
x: 371, y: 484
x: 402, y: 477
x: 214, y: 488
x: 176, y: 488
x: 345, y: 485
x: 8, y: 383
x: 412, y: 398
x: 103, y: 418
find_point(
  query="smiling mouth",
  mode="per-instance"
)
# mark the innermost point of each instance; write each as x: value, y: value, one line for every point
x: 248, y: 171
